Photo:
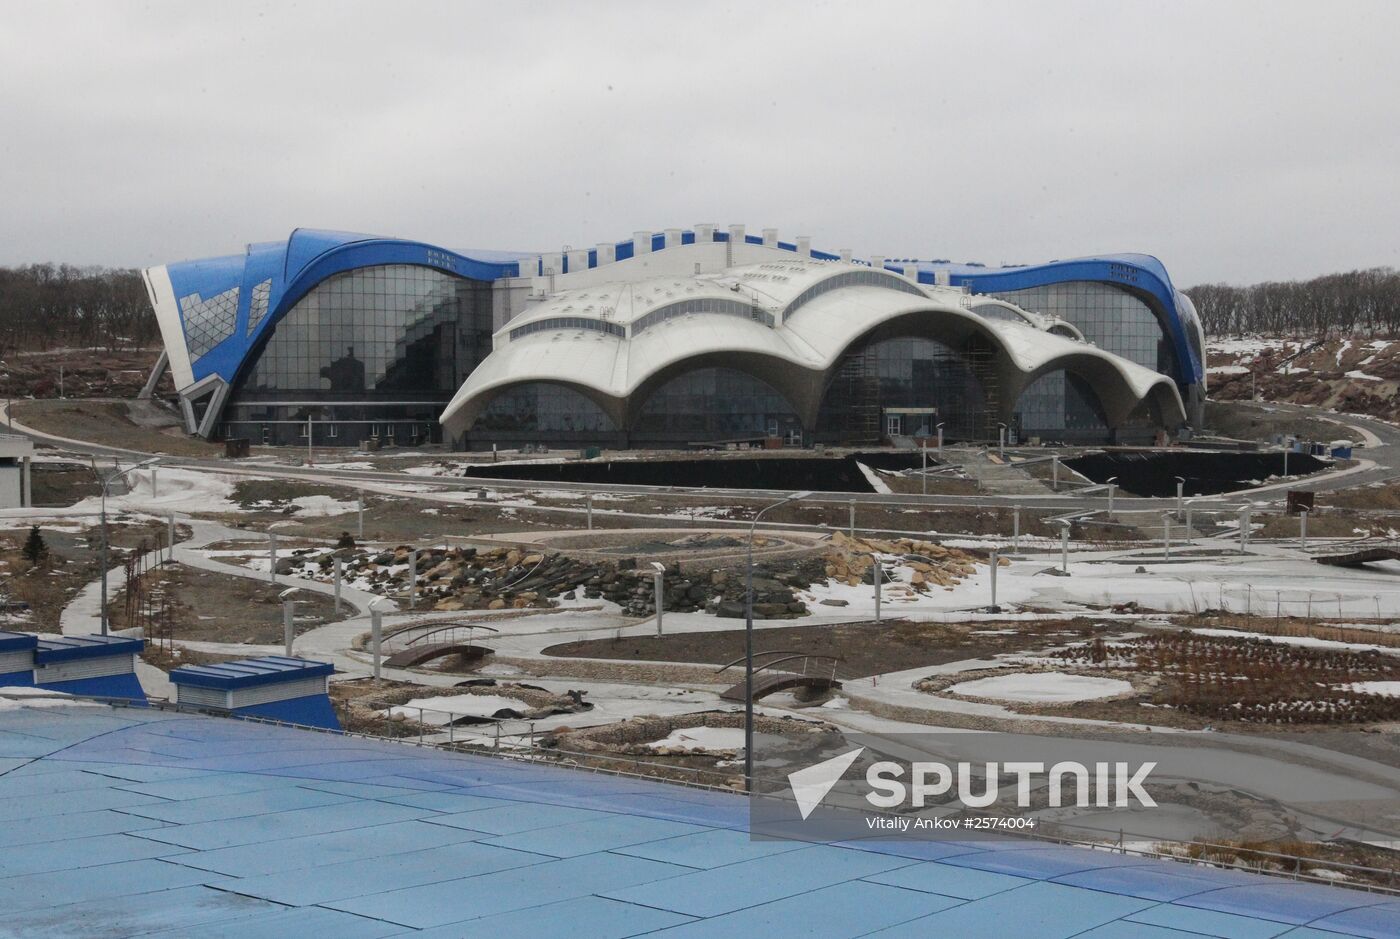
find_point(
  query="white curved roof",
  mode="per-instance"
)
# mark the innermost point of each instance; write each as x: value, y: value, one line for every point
x: 811, y: 335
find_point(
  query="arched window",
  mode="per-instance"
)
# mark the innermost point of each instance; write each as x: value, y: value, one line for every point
x: 714, y: 404
x: 1060, y: 405
x: 904, y: 386
x: 543, y: 407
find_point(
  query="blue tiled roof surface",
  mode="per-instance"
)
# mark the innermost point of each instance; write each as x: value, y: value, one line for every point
x: 117, y: 822
x: 247, y: 673
x: 65, y: 648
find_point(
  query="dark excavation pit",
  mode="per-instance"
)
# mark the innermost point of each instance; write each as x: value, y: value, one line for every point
x: 818, y: 474
x: 1154, y: 473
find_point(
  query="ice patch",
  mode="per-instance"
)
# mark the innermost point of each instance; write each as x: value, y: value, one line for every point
x: 1042, y: 687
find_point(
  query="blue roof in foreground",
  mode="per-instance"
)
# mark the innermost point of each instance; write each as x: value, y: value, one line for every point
x: 115, y: 822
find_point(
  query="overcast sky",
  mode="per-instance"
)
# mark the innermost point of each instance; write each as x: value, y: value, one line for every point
x: 1236, y: 141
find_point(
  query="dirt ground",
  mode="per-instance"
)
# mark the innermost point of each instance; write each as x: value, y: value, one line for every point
x: 72, y: 565
x: 864, y: 648
x: 1254, y: 421
x: 207, y: 606
x: 109, y: 423
x: 62, y: 484
x: 87, y: 373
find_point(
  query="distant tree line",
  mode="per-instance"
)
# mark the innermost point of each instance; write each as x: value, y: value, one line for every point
x: 44, y: 306
x: 1355, y: 303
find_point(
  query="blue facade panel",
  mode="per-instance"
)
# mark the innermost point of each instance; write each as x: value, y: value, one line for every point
x: 311, y: 711
x: 108, y: 686
x: 23, y: 679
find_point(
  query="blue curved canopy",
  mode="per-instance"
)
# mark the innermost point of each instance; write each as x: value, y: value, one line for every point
x: 291, y: 268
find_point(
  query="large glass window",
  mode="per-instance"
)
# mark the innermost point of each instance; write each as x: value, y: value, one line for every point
x: 715, y: 404
x: 1111, y: 319
x: 920, y: 380
x: 543, y: 408
x: 1060, y: 405
x: 390, y: 332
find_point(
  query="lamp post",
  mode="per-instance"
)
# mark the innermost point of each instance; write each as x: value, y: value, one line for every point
x: 1180, y: 493
x: 377, y: 609
x: 1166, y: 536
x: 1001, y: 439
x: 1112, y: 485
x: 996, y: 562
x: 748, y: 637
x: 1064, y: 547
x: 876, y: 573
x: 288, y: 598
x: 939, y: 428
x: 659, y: 576
x: 923, y: 469
x: 106, y: 484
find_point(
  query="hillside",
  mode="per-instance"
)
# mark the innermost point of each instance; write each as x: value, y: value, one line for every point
x: 1358, y: 376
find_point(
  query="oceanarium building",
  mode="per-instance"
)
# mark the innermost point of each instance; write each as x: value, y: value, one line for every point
x: 669, y: 339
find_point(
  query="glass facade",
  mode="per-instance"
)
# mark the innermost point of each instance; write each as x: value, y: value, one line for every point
x: 542, y: 412
x: 714, y: 404
x: 371, y: 353
x: 932, y: 382
x: 1112, y: 319
x: 1059, y: 406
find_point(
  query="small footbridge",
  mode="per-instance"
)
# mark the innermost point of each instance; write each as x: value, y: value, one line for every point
x: 417, y: 645
x: 782, y: 670
x: 1356, y: 554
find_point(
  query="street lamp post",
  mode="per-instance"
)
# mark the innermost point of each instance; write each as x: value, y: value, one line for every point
x: 1112, y: 485
x: 1001, y: 439
x: 288, y: 598
x: 748, y: 638
x: 376, y: 629
x: 659, y: 576
x: 1180, y: 493
x: 106, y: 484
x: 939, y: 428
